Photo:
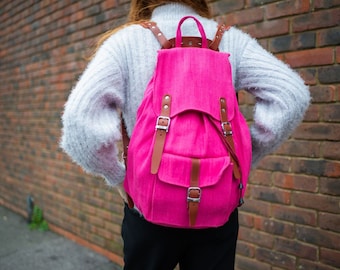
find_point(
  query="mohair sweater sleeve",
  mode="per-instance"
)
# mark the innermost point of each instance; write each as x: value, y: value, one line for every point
x: 91, y: 120
x: 282, y: 98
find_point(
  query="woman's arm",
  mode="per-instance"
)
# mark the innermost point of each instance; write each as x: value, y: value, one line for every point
x: 282, y: 98
x: 91, y: 119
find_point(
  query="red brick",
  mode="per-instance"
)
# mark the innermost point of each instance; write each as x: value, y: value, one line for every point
x: 292, y: 42
x: 316, y: 20
x: 256, y: 237
x: 261, y: 177
x: 275, y: 258
x: 227, y: 6
x: 245, y: 263
x: 329, y: 74
x: 330, y: 257
x: 245, y: 249
x: 107, y: 5
x: 317, y: 131
x: 312, y: 265
x: 328, y: 37
x: 308, y: 75
x: 268, y: 28
x: 313, y: 113
x: 296, y: 182
x: 256, y: 207
x: 324, y: 203
x: 275, y: 163
x: 294, y: 214
x: 331, y: 113
x: 306, y: 58
x: 318, y: 167
x: 274, y: 195
x: 275, y: 227
x: 286, y: 8
x: 330, y: 150
x: 323, y: 93
x: 299, y: 148
x: 317, y: 237
x: 245, y: 17
x: 322, y: 4
x: 329, y: 222
x: 296, y: 248
x: 246, y: 219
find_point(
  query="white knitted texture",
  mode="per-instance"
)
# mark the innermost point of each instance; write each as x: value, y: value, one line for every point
x: 118, y: 75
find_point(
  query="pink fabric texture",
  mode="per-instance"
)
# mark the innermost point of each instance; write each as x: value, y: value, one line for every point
x: 196, y: 79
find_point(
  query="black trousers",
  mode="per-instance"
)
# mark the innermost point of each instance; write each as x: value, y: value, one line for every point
x: 152, y: 247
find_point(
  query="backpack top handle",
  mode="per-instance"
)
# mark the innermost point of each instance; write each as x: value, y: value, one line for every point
x: 200, y: 29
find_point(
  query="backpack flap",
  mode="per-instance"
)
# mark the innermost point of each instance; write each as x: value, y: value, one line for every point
x: 218, y: 195
x: 189, y: 81
x: 176, y: 170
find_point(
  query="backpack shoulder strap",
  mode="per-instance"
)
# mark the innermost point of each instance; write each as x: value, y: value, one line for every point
x: 158, y: 34
x: 218, y: 37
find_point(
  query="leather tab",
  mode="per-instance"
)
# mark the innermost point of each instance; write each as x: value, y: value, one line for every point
x: 189, y: 42
x: 194, y: 192
x: 162, y: 127
x: 228, y: 136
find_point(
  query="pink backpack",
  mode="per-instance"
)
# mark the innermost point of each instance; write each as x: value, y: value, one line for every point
x: 189, y: 155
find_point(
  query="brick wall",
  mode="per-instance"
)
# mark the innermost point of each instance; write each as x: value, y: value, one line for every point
x: 291, y: 216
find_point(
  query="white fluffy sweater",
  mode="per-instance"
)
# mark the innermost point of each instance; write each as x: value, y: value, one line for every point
x: 118, y: 74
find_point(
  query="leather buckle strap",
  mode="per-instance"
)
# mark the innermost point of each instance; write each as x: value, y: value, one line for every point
x: 228, y: 137
x: 194, y: 192
x: 162, y: 128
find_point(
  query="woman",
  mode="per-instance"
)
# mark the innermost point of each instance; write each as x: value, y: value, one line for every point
x: 114, y: 82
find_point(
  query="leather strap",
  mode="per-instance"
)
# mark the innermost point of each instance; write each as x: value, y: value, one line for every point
x: 228, y: 137
x: 189, y: 42
x: 194, y: 192
x: 157, y: 33
x: 162, y: 127
x: 218, y: 37
x: 126, y: 140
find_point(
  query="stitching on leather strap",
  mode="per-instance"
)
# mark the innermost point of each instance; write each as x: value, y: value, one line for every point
x: 162, y: 127
x: 194, y: 192
x: 228, y: 136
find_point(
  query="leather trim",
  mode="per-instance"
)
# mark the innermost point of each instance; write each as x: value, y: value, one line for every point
x: 194, y: 192
x: 163, y: 122
x: 228, y: 137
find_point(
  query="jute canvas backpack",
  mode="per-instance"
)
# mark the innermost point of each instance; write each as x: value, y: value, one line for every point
x: 189, y: 155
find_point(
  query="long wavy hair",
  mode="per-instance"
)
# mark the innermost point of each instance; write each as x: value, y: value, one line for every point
x: 141, y: 10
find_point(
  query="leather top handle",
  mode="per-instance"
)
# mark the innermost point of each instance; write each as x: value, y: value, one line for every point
x: 200, y: 28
